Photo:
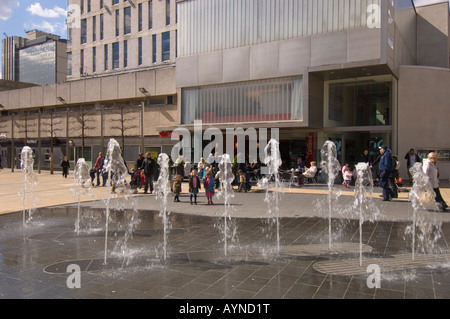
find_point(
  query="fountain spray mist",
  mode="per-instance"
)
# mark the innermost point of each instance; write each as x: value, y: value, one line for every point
x: 29, y: 180
x: 162, y: 191
x: 82, y: 182
x: 114, y: 165
x: 422, y: 199
x: 273, y: 162
x: 364, y: 203
x: 331, y: 166
x: 226, y: 178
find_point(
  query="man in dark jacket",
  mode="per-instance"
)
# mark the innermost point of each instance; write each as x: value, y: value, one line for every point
x: 411, y: 158
x: 147, y: 167
x: 386, y: 167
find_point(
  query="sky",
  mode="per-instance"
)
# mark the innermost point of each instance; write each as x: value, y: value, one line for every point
x: 18, y: 16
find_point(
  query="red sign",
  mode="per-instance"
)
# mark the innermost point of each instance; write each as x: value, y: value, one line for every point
x: 309, y: 148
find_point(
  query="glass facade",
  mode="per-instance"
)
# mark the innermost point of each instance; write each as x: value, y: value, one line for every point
x: 359, y: 102
x: 37, y: 64
x: 255, y: 101
x: 212, y: 25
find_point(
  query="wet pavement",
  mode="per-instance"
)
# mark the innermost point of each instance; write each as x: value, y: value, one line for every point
x: 255, y: 257
x: 193, y: 260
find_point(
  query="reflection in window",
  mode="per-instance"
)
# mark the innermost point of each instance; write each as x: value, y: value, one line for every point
x: 37, y: 64
x: 69, y: 63
x: 127, y: 20
x: 117, y: 23
x: 359, y: 103
x: 83, y: 32
x: 115, y: 55
x: 165, y: 46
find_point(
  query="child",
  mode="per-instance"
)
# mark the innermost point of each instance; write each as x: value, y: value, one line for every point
x: 345, y: 168
x: 209, y: 187
x: 348, y: 176
x: 242, y: 182
x: 177, y: 188
x: 194, y: 185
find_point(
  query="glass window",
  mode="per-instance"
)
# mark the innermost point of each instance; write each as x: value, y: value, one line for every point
x: 117, y: 23
x: 140, y: 17
x: 360, y: 102
x: 167, y: 12
x: 69, y: 63
x: 101, y: 4
x: 127, y: 20
x: 94, y: 59
x: 106, y: 57
x: 83, y: 32
x: 150, y: 14
x: 154, y: 48
x: 81, y: 62
x: 89, y: 5
x: 125, y: 53
x: 116, y: 55
x: 94, y: 28
x: 140, y: 52
x: 253, y: 101
x: 37, y: 63
x: 101, y: 26
x: 165, y: 46
x: 115, y: 2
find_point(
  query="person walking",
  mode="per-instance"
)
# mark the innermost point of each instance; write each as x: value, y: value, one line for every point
x: 411, y: 158
x: 65, y: 166
x: 386, y: 167
x: 147, y: 167
x: 177, y: 188
x: 99, y: 167
x: 194, y: 185
x: 432, y: 171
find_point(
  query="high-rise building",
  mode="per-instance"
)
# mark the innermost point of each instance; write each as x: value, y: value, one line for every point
x: 40, y: 58
x: 109, y: 37
x: 10, y: 57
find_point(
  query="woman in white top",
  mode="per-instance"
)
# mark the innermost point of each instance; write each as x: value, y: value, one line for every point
x: 432, y: 171
x: 310, y: 172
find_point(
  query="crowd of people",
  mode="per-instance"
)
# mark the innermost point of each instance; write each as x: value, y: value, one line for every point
x: 206, y: 174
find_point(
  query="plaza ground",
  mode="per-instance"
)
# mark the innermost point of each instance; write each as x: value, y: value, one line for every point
x: 196, y: 264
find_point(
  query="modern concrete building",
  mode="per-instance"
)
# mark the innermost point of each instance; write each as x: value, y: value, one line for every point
x: 112, y: 36
x: 346, y: 71
x: 120, y: 84
x: 40, y: 58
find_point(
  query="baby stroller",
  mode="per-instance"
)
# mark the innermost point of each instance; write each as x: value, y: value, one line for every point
x: 135, y: 179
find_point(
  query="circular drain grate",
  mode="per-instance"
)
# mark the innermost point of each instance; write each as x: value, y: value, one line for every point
x: 115, y: 263
x: 324, y: 249
x: 350, y: 267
